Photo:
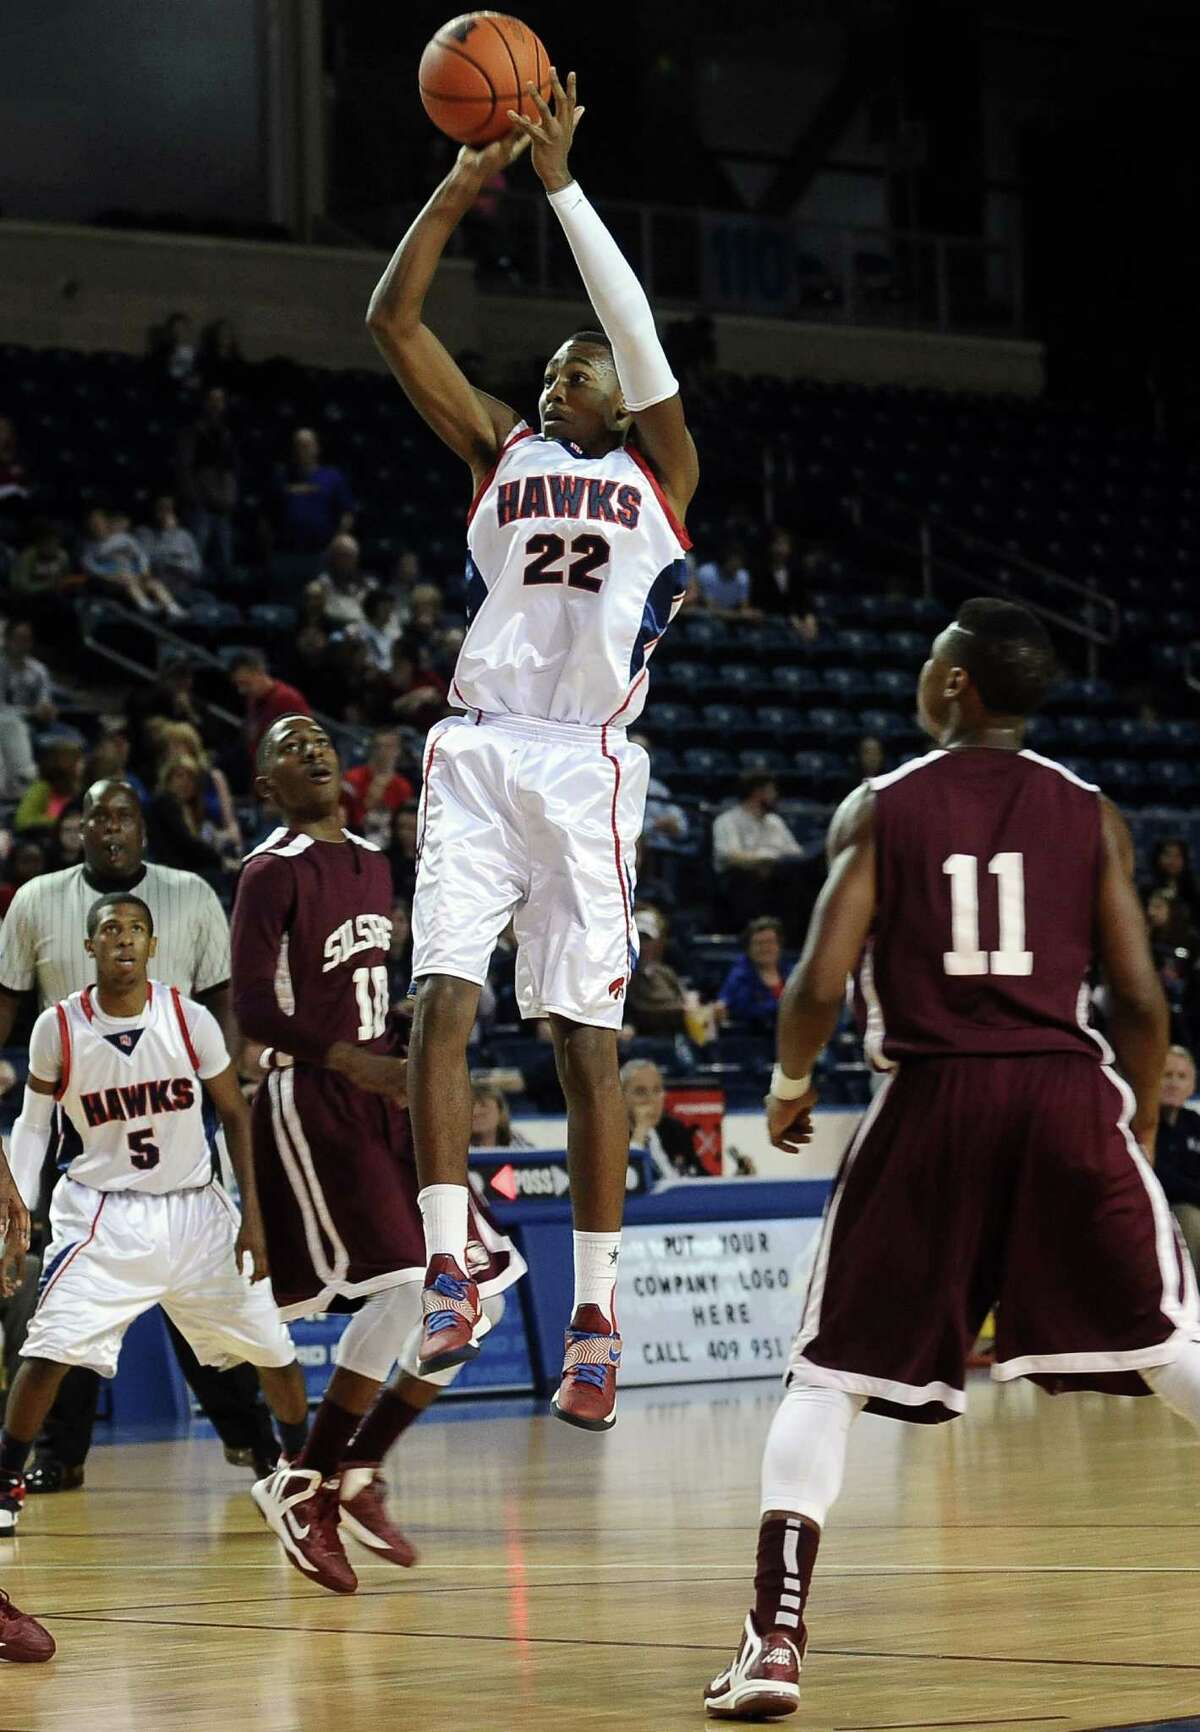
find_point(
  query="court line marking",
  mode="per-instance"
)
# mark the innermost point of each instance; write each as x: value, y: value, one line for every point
x: 920, y: 1725
x: 740, y: 1575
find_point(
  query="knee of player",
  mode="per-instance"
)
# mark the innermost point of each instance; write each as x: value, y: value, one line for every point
x: 445, y: 1006
x: 587, y: 1062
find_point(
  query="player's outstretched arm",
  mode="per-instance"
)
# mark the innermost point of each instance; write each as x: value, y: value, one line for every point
x: 224, y: 1091
x: 14, y: 1230
x: 470, y: 422
x: 650, y: 388
x: 813, y: 997
x: 1139, y: 1022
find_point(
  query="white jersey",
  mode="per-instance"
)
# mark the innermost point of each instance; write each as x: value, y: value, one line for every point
x: 130, y: 1087
x: 575, y: 569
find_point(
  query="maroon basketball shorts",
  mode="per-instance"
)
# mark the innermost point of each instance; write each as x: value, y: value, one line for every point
x: 338, y: 1190
x: 1012, y: 1183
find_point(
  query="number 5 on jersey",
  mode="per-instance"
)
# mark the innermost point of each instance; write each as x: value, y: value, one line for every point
x: 966, y: 957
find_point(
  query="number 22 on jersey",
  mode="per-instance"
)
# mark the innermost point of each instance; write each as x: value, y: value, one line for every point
x: 966, y: 957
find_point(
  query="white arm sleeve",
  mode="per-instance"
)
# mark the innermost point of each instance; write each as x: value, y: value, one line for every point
x: 28, y: 1144
x: 620, y: 301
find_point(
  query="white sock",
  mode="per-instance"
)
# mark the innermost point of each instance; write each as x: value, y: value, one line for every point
x: 596, y: 1271
x: 805, y: 1455
x: 1178, y: 1384
x: 444, y: 1213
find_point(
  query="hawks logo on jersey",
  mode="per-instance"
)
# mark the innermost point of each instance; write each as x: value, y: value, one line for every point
x: 568, y: 496
x: 138, y: 1100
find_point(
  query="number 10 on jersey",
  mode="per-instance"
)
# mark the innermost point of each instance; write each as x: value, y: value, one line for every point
x: 371, y: 992
x: 966, y: 957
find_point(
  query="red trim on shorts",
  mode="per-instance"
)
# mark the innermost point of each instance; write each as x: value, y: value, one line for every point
x: 513, y: 439
x: 64, y: 1040
x: 184, y: 1030
x: 616, y: 836
x: 628, y: 697
x: 67, y: 1261
x: 685, y: 539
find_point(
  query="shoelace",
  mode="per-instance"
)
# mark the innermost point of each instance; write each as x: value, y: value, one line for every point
x: 593, y: 1374
x: 449, y: 1286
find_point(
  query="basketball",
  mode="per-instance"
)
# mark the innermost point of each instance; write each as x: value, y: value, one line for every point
x: 475, y: 69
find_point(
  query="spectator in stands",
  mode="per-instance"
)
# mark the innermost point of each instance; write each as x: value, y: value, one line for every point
x: 1171, y: 872
x: 307, y: 659
x: 670, y: 1144
x: 380, y: 630
x: 725, y: 587
x: 342, y: 586
x: 44, y: 567
x: 170, y: 548
x: 216, y: 813
x: 313, y: 500
x: 656, y: 1001
x: 665, y: 821
x: 172, y: 351
x: 108, y: 760
x: 491, y: 1120
x: 754, y: 985
x: 266, y: 698
x: 378, y: 789
x: 16, y: 485
x: 26, y: 701
x: 27, y: 860
x: 59, y: 780
x: 870, y: 759
x: 780, y: 587
x: 116, y: 559
x: 1173, y: 938
x: 179, y: 831
x: 207, y: 471
x: 1177, y: 1146
x: 170, y: 698
x: 66, y: 839
x: 400, y: 958
x: 402, y: 855
x: 219, y: 358
x: 759, y: 863
x: 425, y: 606
x: 410, y: 694
x: 348, y: 680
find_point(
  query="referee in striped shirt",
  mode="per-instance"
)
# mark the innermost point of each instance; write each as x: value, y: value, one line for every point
x: 41, y: 946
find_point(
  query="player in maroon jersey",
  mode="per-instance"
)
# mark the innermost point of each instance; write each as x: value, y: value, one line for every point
x: 1004, y: 1161
x: 333, y: 1150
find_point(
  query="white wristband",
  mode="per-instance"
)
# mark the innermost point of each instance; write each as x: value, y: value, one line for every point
x: 786, y: 1088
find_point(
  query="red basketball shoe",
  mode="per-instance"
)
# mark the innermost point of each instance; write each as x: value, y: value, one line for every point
x: 587, y: 1395
x: 12, y: 1499
x: 763, y: 1682
x: 302, y: 1511
x: 453, y: 1321
x: 22, y: 1638
x: 362, y: 1495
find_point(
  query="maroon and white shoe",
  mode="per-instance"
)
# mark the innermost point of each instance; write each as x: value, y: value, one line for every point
x: 22, y: 1638
x: 587, y: 1395
x: 302, y: 1511
x: 763, y: 1682
x: 12, y: 1501
x: 453, y: 1323
x: 362, y: 1497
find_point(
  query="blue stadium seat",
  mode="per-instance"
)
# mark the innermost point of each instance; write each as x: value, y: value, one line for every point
x: 273, y: 617
x: 849, y: 684
x: 895, y: 684
x: 670, y: 720
x: 793, y: 677
x: 911, y: 647
x: 726, y: 721
x: 885, y: 724
x: 829, y: 724
x: 764, y: 761
x: 820, y: 769
x: 1078, y: 733
x: 1121, y: 775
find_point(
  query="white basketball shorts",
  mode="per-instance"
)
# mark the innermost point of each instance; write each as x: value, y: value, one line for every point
x: 534, y: 822
x: 114, y: 1254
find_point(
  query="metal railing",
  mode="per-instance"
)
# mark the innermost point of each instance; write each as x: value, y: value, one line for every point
x: 736, y: 262
x: 949, y: 555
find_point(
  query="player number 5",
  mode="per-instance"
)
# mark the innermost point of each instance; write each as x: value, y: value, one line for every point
x: 966, y: 956
x: 371, y: 991
x: 143, y: 1153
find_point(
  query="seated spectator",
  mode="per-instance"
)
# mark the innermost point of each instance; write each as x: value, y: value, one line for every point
x: 870, y: 759
x: 207, y: 479
x: 44, y: 567
x: 172, y: 351
x: 1173, y: 938
x: 65, y: 847
x: 218, y: 816
x: 108, y: 761
x: 759, y: 863
x: 26, y: 702
x: 59, y: 781
x: 670, y: 1144
x: 491, y: 1120
x: 1177, y: 1146
x: 425, y: 607
x: 410, y: 694
x: 171, y: 549
x: 656, y: 1001
x: 402, y: 855
x: 265, y: 697
x: 780, y: 588
x: 400, y: 959
x: 313, y: 500
x: 116, y: 559
x: 377, y: 789
x: 380, y: 630
x: 348, y: 679
x: 179, y: 833
x: 725, y: 587
x: 343, y: 586
x: 16, y: 485
x: 169, y: 698
x: 219, y: 358
x: 664, y: 821
x: 754, y: 985
x: 1171, y: 872
x: 27, y: 860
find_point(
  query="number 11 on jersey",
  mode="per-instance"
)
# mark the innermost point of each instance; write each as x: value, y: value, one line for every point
x: 966, y: 957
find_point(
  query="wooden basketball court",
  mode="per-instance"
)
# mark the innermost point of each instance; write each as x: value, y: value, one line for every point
x: 1037, y: 1563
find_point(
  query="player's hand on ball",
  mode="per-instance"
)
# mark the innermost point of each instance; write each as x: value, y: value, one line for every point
x: 252, y: 1243
x: 473, y: 169
x: 551, y: 136
x: 789, y: 1123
